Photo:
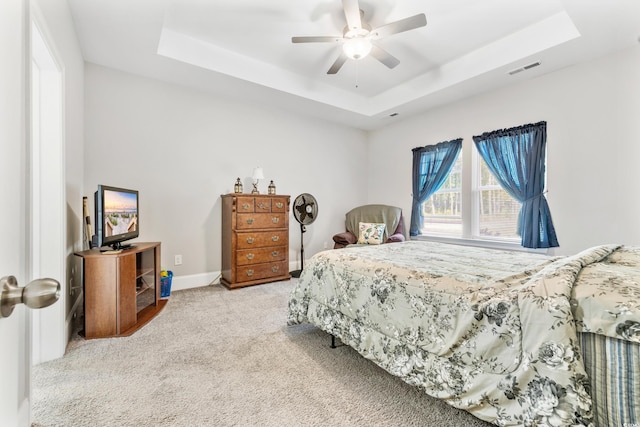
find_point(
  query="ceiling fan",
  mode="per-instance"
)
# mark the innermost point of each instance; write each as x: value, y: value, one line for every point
x: 358, y: 38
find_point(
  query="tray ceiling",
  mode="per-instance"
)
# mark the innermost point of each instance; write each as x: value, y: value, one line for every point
x: 242, y: 48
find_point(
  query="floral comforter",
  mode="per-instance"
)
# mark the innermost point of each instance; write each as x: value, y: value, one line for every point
x: 492, y: 332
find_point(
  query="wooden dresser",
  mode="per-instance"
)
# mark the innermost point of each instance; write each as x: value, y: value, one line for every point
x: 255, y: 239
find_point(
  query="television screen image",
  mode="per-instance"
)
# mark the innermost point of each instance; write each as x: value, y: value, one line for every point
x: 121, y: 212
x: 117, y: 216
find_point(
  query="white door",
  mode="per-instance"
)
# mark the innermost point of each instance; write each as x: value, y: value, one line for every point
x: 15, y: 324
x: 14, y: 330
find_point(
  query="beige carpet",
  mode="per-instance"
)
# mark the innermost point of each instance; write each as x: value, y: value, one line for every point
x: 215, y: 357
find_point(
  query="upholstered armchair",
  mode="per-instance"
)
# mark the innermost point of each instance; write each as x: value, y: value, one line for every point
x: 391, y: 216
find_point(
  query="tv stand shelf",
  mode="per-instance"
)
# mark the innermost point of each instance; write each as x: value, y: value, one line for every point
x: 121, y: 289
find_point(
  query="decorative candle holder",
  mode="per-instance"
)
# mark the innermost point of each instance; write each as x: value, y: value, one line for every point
x: 237, y: 188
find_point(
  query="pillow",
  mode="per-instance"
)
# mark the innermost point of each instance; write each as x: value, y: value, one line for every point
x: 370, y: 233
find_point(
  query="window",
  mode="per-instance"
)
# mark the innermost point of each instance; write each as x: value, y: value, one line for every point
x: 499, y: 196
x: 497, y: 210
x: 442, y: 212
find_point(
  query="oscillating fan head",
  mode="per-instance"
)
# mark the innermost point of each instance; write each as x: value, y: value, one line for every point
x: 305, y: 208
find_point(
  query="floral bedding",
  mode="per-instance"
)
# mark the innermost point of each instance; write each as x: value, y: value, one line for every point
x: 492, y: 332
x: 607, y: 298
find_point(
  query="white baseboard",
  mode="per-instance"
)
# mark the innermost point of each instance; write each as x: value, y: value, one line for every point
x: 179, y: 283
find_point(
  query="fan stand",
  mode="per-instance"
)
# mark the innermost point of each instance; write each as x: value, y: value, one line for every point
x: 296, y: 273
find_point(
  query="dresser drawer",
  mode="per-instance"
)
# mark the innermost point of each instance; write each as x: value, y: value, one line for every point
x: 260, y: 255
x: 279, y: 204
x: 259, y: 239
x: 246, y: 273
x: 263, y: 205
x: 258, y: 221
x: 245, y: 204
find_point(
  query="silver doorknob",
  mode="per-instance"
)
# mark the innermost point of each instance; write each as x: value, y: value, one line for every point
x: 37, y: 294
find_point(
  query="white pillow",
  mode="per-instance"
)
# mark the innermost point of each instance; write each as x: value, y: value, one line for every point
x: 370, y: 233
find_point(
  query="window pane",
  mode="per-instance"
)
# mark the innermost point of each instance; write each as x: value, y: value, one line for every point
x: 498, y: 210
x: 442, y: 211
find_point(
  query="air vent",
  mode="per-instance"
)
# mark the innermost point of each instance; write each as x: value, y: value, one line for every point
x: 526, y: 67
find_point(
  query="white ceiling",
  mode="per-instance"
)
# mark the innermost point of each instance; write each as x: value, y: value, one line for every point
x: 242, y: 48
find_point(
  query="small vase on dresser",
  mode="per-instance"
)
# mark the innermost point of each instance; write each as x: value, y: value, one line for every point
x: 255, y: 239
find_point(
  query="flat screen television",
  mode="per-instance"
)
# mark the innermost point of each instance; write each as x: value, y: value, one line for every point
x: 117, y: 218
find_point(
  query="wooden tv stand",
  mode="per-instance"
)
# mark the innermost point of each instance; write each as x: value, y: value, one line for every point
x: 121, y: 289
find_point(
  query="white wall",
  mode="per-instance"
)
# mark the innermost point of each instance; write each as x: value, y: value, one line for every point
x: 182, y: 149
x: 593, y: 146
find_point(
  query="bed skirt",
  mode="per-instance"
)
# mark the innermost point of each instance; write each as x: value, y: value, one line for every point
x: 613, y: 366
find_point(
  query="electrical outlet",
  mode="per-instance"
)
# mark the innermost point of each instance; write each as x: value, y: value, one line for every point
x: 177, y: 260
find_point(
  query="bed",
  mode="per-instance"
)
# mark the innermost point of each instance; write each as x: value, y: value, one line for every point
x: 515, y: 338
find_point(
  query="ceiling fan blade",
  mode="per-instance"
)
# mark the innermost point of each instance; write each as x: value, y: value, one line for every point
x: 338, y: 64
x: 383, y: 56
x: 352, y: 13
x: 400, y: 26
x: 315, y: 39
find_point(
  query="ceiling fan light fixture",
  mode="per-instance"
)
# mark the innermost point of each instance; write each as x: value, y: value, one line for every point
x: 358, y: 34
x: 357, y: 48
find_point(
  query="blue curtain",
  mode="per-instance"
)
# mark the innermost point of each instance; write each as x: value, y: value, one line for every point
x: 516, y: 157
x: 431, y: 166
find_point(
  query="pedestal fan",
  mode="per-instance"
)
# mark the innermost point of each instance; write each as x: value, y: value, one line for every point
x: 305, y: 211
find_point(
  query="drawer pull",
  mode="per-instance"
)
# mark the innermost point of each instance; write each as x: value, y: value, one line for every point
x: 249, y: 273
x: 275, y: 220
x: 250, y: 256
x: 263, y: 206
x: 275, y: 238
x: 250, y: 240
x: 274, y: 268
x: 279, y: 205
x: 274, y: 254
x: 250, y: 221
x: 245, y: 206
